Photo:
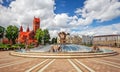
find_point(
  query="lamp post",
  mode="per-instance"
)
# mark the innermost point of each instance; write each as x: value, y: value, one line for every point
x: 26, y: 44
x: 43, y: 40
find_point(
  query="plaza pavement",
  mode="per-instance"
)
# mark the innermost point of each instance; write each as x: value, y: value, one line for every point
x: 10, y: 63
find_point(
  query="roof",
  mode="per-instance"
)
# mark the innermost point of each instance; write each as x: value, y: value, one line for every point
x: 24, y: 33
x: 107, y: 35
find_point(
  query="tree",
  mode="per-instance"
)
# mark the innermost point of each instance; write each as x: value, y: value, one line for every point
x: 39, y: 35
x: 46, y: 36
x: 2, y: 29
x: 12, y: 33
x: 54, y: 40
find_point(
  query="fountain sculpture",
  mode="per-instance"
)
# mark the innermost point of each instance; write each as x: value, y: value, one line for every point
x: 62, y: 36
x: 58, y: 48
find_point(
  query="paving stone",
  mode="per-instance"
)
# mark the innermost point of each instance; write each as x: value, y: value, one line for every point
x: 59, y: 65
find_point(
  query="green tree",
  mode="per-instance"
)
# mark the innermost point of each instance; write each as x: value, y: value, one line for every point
x: 39, y: 35
x: 54, y: 40
x: 2, y: 29
x: 46, y: 36
x: 12, y: 33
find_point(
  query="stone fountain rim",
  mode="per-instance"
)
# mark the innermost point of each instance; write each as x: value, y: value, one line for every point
x: 62, y: 55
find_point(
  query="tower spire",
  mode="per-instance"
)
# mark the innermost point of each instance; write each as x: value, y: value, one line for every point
x: 21, y: 28
x: 28, y: 29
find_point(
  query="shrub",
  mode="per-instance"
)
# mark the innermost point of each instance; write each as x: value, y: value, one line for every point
x: 31, y: 46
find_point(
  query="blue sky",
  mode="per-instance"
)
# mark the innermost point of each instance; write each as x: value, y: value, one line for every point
x: 89, y: 17
x: 69, y: 6
x: 6, y: 2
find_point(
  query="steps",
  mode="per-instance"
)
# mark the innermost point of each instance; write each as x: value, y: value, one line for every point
x: 62, y: 55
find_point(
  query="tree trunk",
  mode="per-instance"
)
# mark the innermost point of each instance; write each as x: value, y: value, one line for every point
x: 13, y: 41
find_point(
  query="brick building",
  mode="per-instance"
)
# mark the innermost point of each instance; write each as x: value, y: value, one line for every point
x: 27, y: 37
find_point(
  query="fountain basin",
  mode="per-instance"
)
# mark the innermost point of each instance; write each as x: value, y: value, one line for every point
x: 68, y: 51
x: 70, y: 48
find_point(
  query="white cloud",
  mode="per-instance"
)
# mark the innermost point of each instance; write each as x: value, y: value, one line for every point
x: 61, y: 19
x: 22, y: 12
x: 101, y: 10
x: 102, y: 30
x: 1, y: 1
x: 53, y: 33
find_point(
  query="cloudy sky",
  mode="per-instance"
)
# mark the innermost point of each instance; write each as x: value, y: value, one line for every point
x: 78, y: 17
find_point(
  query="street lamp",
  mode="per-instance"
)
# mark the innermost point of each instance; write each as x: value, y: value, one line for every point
x: 43, y: 40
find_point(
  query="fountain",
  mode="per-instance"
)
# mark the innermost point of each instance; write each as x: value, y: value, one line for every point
x: 62, y: 36
x: 63, y: 50
x: 59, y: 47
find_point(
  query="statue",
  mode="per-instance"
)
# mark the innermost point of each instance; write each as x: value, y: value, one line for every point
x: 58, y: 48
x: 95, y: 48
x: 55, y: 48
x: 62, y: 36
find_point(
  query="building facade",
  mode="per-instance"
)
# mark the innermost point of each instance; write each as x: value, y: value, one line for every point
x: 86, y: 39
x: 107, y: 40
x: 75, y: 39
x: 27, y: 37
x: 71, y: 39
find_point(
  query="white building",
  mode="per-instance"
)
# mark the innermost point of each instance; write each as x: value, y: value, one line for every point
x: 107, y: 40
x: 86, y: 39
x: 71, y: 39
